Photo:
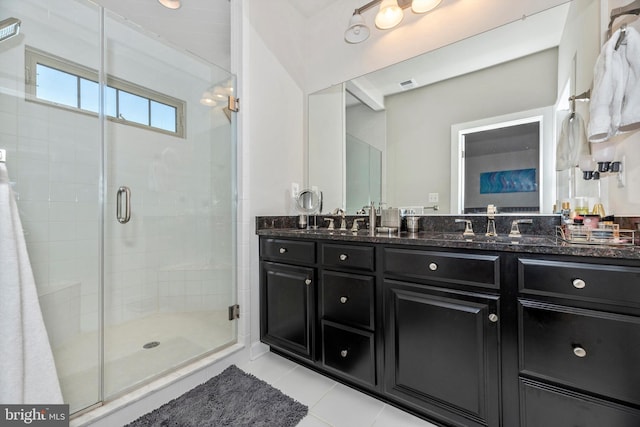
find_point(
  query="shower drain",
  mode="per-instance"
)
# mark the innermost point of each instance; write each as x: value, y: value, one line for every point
x: 151, y: 344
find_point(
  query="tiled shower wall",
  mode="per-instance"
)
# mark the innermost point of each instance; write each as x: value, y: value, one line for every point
x: 181, y: 188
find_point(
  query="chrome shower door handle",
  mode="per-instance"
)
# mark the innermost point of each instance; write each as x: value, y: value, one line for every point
x: 123, y: 219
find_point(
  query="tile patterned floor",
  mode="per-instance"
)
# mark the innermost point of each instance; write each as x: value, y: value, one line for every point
x: 330, y: 403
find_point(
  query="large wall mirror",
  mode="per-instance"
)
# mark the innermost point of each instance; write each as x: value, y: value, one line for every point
x: 411, y: 112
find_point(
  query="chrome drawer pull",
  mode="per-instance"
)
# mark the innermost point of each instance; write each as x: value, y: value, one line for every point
x: 493, y: 317
x: 343, y: 257
x: 343, y: 353
x: 579, y: 283
x: 433, y: 266
x: 579, y: 351
x: 283, y: 250
x: 307, y: 282
x: 343, y: 300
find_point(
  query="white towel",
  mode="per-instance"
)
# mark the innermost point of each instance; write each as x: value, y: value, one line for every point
x: 630, y: 119
x: 608, y: 91
x: 27, y: 369
x: 572, y: 143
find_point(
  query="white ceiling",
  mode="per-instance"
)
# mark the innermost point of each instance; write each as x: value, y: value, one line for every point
x: 309, y: 8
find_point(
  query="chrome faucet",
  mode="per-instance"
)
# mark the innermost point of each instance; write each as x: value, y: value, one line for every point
x: 330, y: 227
x: 491, y: 221
x: 343, y: 221
x: 354, y: 227
x: 468, y: 227
x: 515, y: 230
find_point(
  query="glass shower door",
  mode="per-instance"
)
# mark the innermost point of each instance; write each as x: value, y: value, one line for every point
x: 169, y: 208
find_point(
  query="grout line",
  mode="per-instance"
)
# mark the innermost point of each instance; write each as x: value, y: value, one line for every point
x: 375, y: 419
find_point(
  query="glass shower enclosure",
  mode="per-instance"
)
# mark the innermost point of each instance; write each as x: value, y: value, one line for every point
x: 122, y: 156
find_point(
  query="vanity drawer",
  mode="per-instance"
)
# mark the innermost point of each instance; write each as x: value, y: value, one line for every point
x: 468, y: 269
x: 287, y: 250
x: 349, y: 351
x: 585, y: 349
x: 603, y: 283
x: 348, y: 298
x: 547, y: 406
x: 348, y: 256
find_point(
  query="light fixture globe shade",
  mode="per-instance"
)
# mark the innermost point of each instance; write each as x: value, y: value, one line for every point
x: 358, y: 31
x: 389, y: 14
x: 424, y: 6
x: 170, y: 4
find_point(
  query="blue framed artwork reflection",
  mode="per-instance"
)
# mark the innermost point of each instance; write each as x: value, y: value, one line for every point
x: 508, y: 181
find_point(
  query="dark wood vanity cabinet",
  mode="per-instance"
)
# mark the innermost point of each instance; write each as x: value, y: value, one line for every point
x: 461, y: 337
x: 579, y: 343
x: 442, y: 354
x: 347, y: 306
x: 287, y: 296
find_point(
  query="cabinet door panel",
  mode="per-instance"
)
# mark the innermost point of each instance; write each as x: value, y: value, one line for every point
x: 451, y: 267
x: 589, y: 350
x: 287, y: 309
x: 348, y: 298
x: 349, y: 351
x: 442, y: 352
x: 547, y: 406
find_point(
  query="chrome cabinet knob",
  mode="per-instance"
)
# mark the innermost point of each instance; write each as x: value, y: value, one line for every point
x: 433, y: 266
x: 343, y: 300
x: 493, y: 317
x: 579, y: 351
x: 343, y: 353
x: 283, y: 250
x: 307, y: 282
x: 579, y: 283
x: 343, y: 257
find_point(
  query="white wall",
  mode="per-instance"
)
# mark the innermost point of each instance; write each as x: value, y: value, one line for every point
x: 272, y: 130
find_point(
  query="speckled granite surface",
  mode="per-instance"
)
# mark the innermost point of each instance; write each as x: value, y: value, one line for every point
x: 443, y: 231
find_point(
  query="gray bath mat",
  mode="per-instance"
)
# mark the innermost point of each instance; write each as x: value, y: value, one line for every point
x: 233, y: 398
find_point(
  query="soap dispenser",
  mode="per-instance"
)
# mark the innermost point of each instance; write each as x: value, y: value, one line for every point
x: 372, y: 219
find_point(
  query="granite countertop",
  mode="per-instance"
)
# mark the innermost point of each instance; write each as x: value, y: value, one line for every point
x: 540, y: 244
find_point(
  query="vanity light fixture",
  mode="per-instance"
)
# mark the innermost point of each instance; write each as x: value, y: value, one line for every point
x: 389, y: 15
x: 170, y: 4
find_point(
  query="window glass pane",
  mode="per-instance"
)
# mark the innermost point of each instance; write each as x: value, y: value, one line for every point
x: 56, y: 86
x: 110, y: 97
x: 89, y: 95
x: 133, y: 108
x: 163, y: 116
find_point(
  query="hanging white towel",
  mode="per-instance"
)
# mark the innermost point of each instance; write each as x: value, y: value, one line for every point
x: 572, y: 143
x: 630, y: 118
x: 27, y: 369
x: 608, y: 91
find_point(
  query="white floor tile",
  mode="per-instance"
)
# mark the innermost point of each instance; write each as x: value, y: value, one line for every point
x: 311, y: 421
x: 394, y: 417
x: 345, y: 407
x: 269, y: 368
x: 304, y: 385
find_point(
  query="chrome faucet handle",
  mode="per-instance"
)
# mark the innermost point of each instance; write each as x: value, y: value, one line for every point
x: 468, y: 227
x: 354, y: 227
x: 331, y: 226
x: 515, y: 230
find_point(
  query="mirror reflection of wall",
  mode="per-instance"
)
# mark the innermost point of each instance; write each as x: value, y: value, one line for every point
x: 326, y: 146
x: 501, y: 167
x: 366, y: 144
x: 364, y: 169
